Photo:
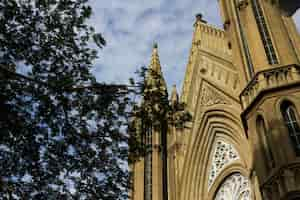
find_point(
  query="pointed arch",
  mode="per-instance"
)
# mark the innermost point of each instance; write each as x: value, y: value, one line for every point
x: 218, y: 121
x: 291, y: 120
x: 235, y: 186
x: 224, y: 153
x: 264, y: 138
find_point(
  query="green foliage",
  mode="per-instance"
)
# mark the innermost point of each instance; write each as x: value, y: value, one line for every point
x: 155, y: 111
x: 62, y: 135
x: 155, y: 106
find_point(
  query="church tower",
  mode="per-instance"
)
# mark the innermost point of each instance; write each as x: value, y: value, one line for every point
x: 260, y: 35
x: 147, y: 172
x: 266, y: 48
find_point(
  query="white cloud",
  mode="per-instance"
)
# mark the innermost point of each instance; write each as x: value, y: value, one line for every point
x: 132, y: 26
x: 297, y: 19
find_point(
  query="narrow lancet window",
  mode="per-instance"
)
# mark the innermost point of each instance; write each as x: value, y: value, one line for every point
x: 264, y: 33
x: 291, y: 121
x: 148, y: 164
x: 265, y: 139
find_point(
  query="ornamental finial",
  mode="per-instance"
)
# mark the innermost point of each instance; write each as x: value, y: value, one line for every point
x: 199, y: 18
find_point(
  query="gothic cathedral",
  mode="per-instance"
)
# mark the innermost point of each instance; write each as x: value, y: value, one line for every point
x: 242, y: 87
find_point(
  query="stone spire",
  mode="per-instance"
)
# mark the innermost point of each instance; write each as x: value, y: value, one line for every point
x: 174, y: 95
x: 155, y: 63
x: 155, y: 74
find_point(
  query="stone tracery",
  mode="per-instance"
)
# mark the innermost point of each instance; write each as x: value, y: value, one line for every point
x: 224, y: 154
x: 235, y: 187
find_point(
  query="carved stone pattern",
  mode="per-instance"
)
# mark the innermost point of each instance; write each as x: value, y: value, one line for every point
x: 224, y: 154
x: 235, y: 187
x: 210, y: 97
x: 269, y: 79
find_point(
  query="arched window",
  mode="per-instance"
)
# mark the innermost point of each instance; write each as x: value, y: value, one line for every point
x: 236, y: 186
x: 291, y: 121
x: 265, y: 140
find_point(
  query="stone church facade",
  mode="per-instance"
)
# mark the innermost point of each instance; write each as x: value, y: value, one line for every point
x: 242, y: 87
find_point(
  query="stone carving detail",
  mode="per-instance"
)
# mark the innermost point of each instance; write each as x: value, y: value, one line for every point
x: 210, y: 97
x: 234, y: 187
x: 269, y: 79
x: 224, y: 154
x: 242, y: 4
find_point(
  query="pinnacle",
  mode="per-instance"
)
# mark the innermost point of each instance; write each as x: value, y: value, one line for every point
x: 155, y: 68
x: 199, y: 18
x: 155, y: 62
x: 174, y: 95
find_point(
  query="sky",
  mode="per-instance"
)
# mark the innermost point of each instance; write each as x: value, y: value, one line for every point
x: 131, y: 27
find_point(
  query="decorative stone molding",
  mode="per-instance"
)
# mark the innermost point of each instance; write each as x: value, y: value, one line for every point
x: 269, y: 79
x: 224, y: 154
x: 242, y: 4
x: 210, y: 97
x: 175, y: 147
x: 283, y: 180
x: 226, y: 24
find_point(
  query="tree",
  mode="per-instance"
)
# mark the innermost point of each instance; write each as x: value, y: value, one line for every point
x: 62, y: 134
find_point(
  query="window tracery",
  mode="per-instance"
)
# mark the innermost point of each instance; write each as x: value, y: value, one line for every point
x: 224, y: 154
x: 235, y: 187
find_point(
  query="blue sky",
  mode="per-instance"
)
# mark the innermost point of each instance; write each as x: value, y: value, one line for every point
x: 130, y: 28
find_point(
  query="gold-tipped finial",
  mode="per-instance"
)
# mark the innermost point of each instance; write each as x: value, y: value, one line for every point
x: 199, y: 18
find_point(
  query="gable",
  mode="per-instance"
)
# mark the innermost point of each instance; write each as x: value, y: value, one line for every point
x: 208, y: 96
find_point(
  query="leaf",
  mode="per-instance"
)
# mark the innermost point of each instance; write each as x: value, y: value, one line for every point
x: 99, y: 40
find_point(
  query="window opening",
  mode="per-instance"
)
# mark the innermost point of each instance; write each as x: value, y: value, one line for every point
x: 264, y: 33
x: 265, y: 137
x: 292, y: 124
x: 148, y: 166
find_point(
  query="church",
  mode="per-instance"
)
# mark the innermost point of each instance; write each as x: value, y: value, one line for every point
x: 242, y: 88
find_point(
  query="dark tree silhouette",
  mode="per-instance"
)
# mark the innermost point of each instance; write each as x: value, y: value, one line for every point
x: 62, y: 134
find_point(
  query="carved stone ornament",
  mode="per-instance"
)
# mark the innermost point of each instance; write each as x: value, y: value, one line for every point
x: 224, y: 154
x: 235, y: 187
x: 210, y: 97
x: 242, y: 4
